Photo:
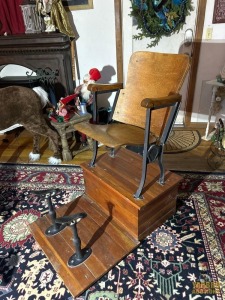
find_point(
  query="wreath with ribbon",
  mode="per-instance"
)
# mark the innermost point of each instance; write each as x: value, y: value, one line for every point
x: 157, y: 18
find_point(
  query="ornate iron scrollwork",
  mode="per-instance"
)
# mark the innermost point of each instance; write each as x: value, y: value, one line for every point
x: 46, y: 76
x: 154, y: 152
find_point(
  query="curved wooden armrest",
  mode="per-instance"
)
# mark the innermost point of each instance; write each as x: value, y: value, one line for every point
x: 100, y: 87
x: 163, y: 101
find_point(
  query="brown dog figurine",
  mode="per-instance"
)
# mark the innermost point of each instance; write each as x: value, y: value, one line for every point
x: 21, y: 106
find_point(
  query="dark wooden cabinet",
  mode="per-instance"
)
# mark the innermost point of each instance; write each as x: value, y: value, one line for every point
x: 48, y: 52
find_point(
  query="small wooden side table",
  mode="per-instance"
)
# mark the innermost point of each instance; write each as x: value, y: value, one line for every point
x: 216, y: 158
x: 70, y: 126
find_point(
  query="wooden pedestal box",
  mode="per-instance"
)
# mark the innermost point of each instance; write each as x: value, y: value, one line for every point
x: 112, y: 183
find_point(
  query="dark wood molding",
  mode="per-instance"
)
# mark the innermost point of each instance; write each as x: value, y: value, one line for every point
x: 195, y: 59
x: 41, y: 51
x: 119, y: 44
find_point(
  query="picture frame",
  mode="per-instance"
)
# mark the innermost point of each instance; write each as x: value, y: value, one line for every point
x: 77, y: 4
x: 219, y: 12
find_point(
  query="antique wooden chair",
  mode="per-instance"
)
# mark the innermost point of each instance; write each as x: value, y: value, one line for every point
x: 144, y: 111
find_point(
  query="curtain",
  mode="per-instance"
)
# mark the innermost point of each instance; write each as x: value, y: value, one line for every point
x: 60, y: 18
x: 11, y: 18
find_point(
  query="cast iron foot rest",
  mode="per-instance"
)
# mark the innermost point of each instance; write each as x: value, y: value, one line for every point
x: 55, y: 227
x: 80, y: 255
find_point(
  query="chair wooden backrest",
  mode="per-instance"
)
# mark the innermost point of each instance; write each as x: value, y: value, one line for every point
x: 150, y: 75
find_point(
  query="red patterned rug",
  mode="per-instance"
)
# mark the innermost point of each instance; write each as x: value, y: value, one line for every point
x: 182, y: 259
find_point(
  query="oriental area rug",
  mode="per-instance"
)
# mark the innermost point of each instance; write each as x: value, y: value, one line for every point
x: 182, y: 259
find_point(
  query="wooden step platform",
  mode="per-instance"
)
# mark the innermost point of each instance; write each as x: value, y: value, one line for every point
x: 115, y: 221
x: 112, y: 183
x: 108, y: 243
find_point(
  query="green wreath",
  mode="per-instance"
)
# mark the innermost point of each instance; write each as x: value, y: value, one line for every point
x: 157, y: 18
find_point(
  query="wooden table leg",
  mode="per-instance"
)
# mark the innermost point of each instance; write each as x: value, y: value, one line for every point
x: 66, y: 153
x: 207, y: 137
x: 70, y: 126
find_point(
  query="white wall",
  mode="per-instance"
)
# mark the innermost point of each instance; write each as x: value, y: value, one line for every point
x: 96, y: 46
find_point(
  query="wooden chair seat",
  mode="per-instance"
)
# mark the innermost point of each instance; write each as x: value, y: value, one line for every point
x: 115, y: 134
